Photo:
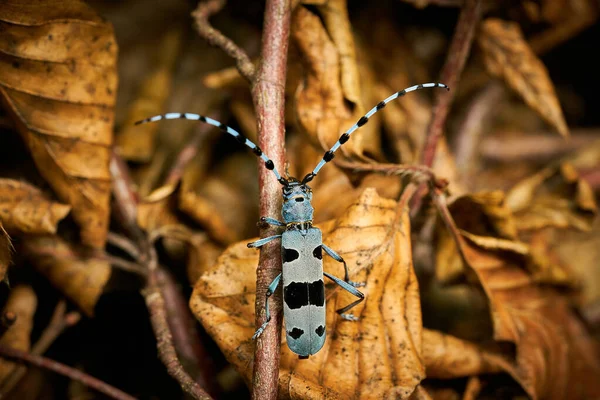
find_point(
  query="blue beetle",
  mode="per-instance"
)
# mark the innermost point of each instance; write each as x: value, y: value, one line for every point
x: 301, y: 243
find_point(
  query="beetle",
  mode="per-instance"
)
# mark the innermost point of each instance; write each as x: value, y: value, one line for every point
x: 302, y: 246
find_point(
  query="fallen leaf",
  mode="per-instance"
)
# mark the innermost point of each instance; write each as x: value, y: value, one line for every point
x: 554, y: 197
x: 137, y: 142
x: 377, y: 357
x: 58, y: 82
x: 22, y: 303
x: 6, y: 249
x: 26, y: 209
x: 328, y: 86
x: 555, y: 357
x: 508, y: 56
x: 447, y: 357
x: 80, y: 278
x: 224, y: 202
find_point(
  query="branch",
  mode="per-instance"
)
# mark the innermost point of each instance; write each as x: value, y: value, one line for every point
x: 72, y: 373
x: 60, y: 321
x: 455, y: 62
x: 215, y: 38
x: 126, y: 205
x: 269, y: 101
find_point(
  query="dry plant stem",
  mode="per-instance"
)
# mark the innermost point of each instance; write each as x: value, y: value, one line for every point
x: 58, y: 323
x: 473, y: 125
x: 185, y: 336
x: 125, y: 265
x: 269, y: 101
x: 455, y: 62
x: 189, y: 151
x: 125, y: 199
x: 164, y: 340
x: 418, y: 173
x: 124, y: 244
x: 216, y: 38
x: 125, y: 204
x: 69, y: 372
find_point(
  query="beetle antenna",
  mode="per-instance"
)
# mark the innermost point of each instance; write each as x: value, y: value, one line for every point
x: 238, y: 136
x: 328, y: 156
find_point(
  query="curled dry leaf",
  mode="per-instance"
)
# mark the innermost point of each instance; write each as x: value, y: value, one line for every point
x: 555, y: 357
x: 5, y: 251
x: 26, y: 209
x: 137, y: 142
x: 80, y: 278
x: 508, y: 56
x: 330, y: 83
x: 22, y: 302
x: 224, y: 202
x: 554, y: 197
x: 58, y: 81
x: 377, y: 357
x: 447, y: 357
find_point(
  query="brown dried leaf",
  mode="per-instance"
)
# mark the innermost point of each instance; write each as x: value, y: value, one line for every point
x: 6, y: 249
x: 330, y: 83
x: 81, y: 278
x: 26, y: 209
x: 137, y: 143
x: 224, y: 202
x: 508, y: 56
x: 554, y: 197
x: 377, y: 357
x: 447, y: 357
x: 555, y: 357
x: 58, y: 81
x: 22, y: 302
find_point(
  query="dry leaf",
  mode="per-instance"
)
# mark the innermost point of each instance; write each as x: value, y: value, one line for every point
x: 508, y: 56
x: 58, y: 81
x: 26, y: 209
x: 554, y: 197
x: 377, y: 357
x: 225, y: 201
x: 22, y: 302
x: 328, y: 86
x: 487, y: 220
x: 6, y: 249
x: 447, y: 357
x: 555, y: 357
x: 137, y: 143
x: 80, y: 278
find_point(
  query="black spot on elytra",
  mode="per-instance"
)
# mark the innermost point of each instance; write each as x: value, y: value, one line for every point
x: 289, y: 255
x: 316, y: 293
x: 296, y: 333
x: 318, y: 252
x: 320, y: 330
x: 300, y: 294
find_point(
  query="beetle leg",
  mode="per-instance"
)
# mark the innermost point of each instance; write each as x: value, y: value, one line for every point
x: 263, y: 241
x: 270, y: 291
x: 346, y: 286
x: 339, y: 258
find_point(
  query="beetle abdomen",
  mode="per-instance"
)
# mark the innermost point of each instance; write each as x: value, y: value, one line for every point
x: 303, y: 290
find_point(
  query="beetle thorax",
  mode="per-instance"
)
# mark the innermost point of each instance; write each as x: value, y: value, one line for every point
x: 297, y: 209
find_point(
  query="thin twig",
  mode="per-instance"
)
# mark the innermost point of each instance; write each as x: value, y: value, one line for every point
x: 186, y: 340
x: 417, y: 173
x: 189, y: 151
x: 164, y: 339
x: 216, y: 38
x: 124, y: 264
x: 455, y: 62
x: 126, y: 203
x: 124, y: 244
x: 59, y: 368
x: 58, y: 323
x: 268, y: 95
